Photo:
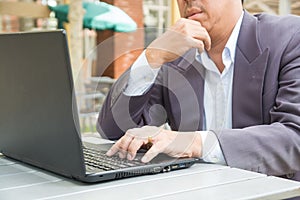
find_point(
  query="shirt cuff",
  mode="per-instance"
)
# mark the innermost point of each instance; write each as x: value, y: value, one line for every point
x: 142, y: 76
x: 211, y: 150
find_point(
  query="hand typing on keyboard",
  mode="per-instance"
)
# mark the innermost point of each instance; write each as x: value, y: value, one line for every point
x: 157, y: 140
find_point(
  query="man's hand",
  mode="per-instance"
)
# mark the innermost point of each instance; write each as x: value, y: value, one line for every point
x: 181, y: 37
x: 173, y: 143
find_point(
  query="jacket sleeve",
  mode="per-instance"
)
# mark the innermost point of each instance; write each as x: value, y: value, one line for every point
x: 121, y: 112
x: 272, y: 149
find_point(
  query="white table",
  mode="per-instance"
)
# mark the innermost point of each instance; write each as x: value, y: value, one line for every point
x: 201, y: 181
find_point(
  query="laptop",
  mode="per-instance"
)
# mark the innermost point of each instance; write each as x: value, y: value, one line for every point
x: 39, y: 123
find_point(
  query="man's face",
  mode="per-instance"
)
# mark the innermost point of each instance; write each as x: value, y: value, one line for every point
x: 208, y: 12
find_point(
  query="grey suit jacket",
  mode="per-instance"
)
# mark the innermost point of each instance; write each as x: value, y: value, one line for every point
x: 265, y: 104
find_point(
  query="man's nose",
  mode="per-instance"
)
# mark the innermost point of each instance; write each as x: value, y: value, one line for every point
x: 191, y: 3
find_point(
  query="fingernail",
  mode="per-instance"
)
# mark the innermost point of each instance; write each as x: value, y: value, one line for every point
x: 108, y: 152
x: 129, y: 156
x: 144, y: 159
x: 121, y: 155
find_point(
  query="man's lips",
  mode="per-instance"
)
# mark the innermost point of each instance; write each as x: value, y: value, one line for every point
x: 195, y: 15
x: 193, y: 12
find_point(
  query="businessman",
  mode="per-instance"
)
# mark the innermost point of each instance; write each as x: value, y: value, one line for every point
x: 226, y: 82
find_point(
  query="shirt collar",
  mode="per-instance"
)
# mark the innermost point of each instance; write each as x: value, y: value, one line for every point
x: 232, y: 41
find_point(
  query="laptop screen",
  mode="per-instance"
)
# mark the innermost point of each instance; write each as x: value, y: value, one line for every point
x: 37, y: 122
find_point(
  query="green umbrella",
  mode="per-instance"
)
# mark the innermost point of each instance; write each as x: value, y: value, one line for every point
x: 98, y: 16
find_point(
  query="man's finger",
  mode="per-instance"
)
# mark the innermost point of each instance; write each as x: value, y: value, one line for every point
x: 121, y: 145
x: 113, y: 150
x: 200, y: 33
x: 199, y: 45
x: 134, y: 146
x: 205, y: 38
x: 151, y: 153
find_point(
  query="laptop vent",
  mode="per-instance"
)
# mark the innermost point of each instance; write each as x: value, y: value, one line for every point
x: 132, y: 173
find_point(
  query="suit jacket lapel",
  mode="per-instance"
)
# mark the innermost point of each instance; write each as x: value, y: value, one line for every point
x: 250, y: 65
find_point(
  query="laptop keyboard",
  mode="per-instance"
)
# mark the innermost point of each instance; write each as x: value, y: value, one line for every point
x: 98, y: 159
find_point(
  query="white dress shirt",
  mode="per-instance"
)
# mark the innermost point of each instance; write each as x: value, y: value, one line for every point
x: 217, y: 92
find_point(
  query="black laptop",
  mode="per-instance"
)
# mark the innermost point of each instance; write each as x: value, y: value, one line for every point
x: 39, y: 123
